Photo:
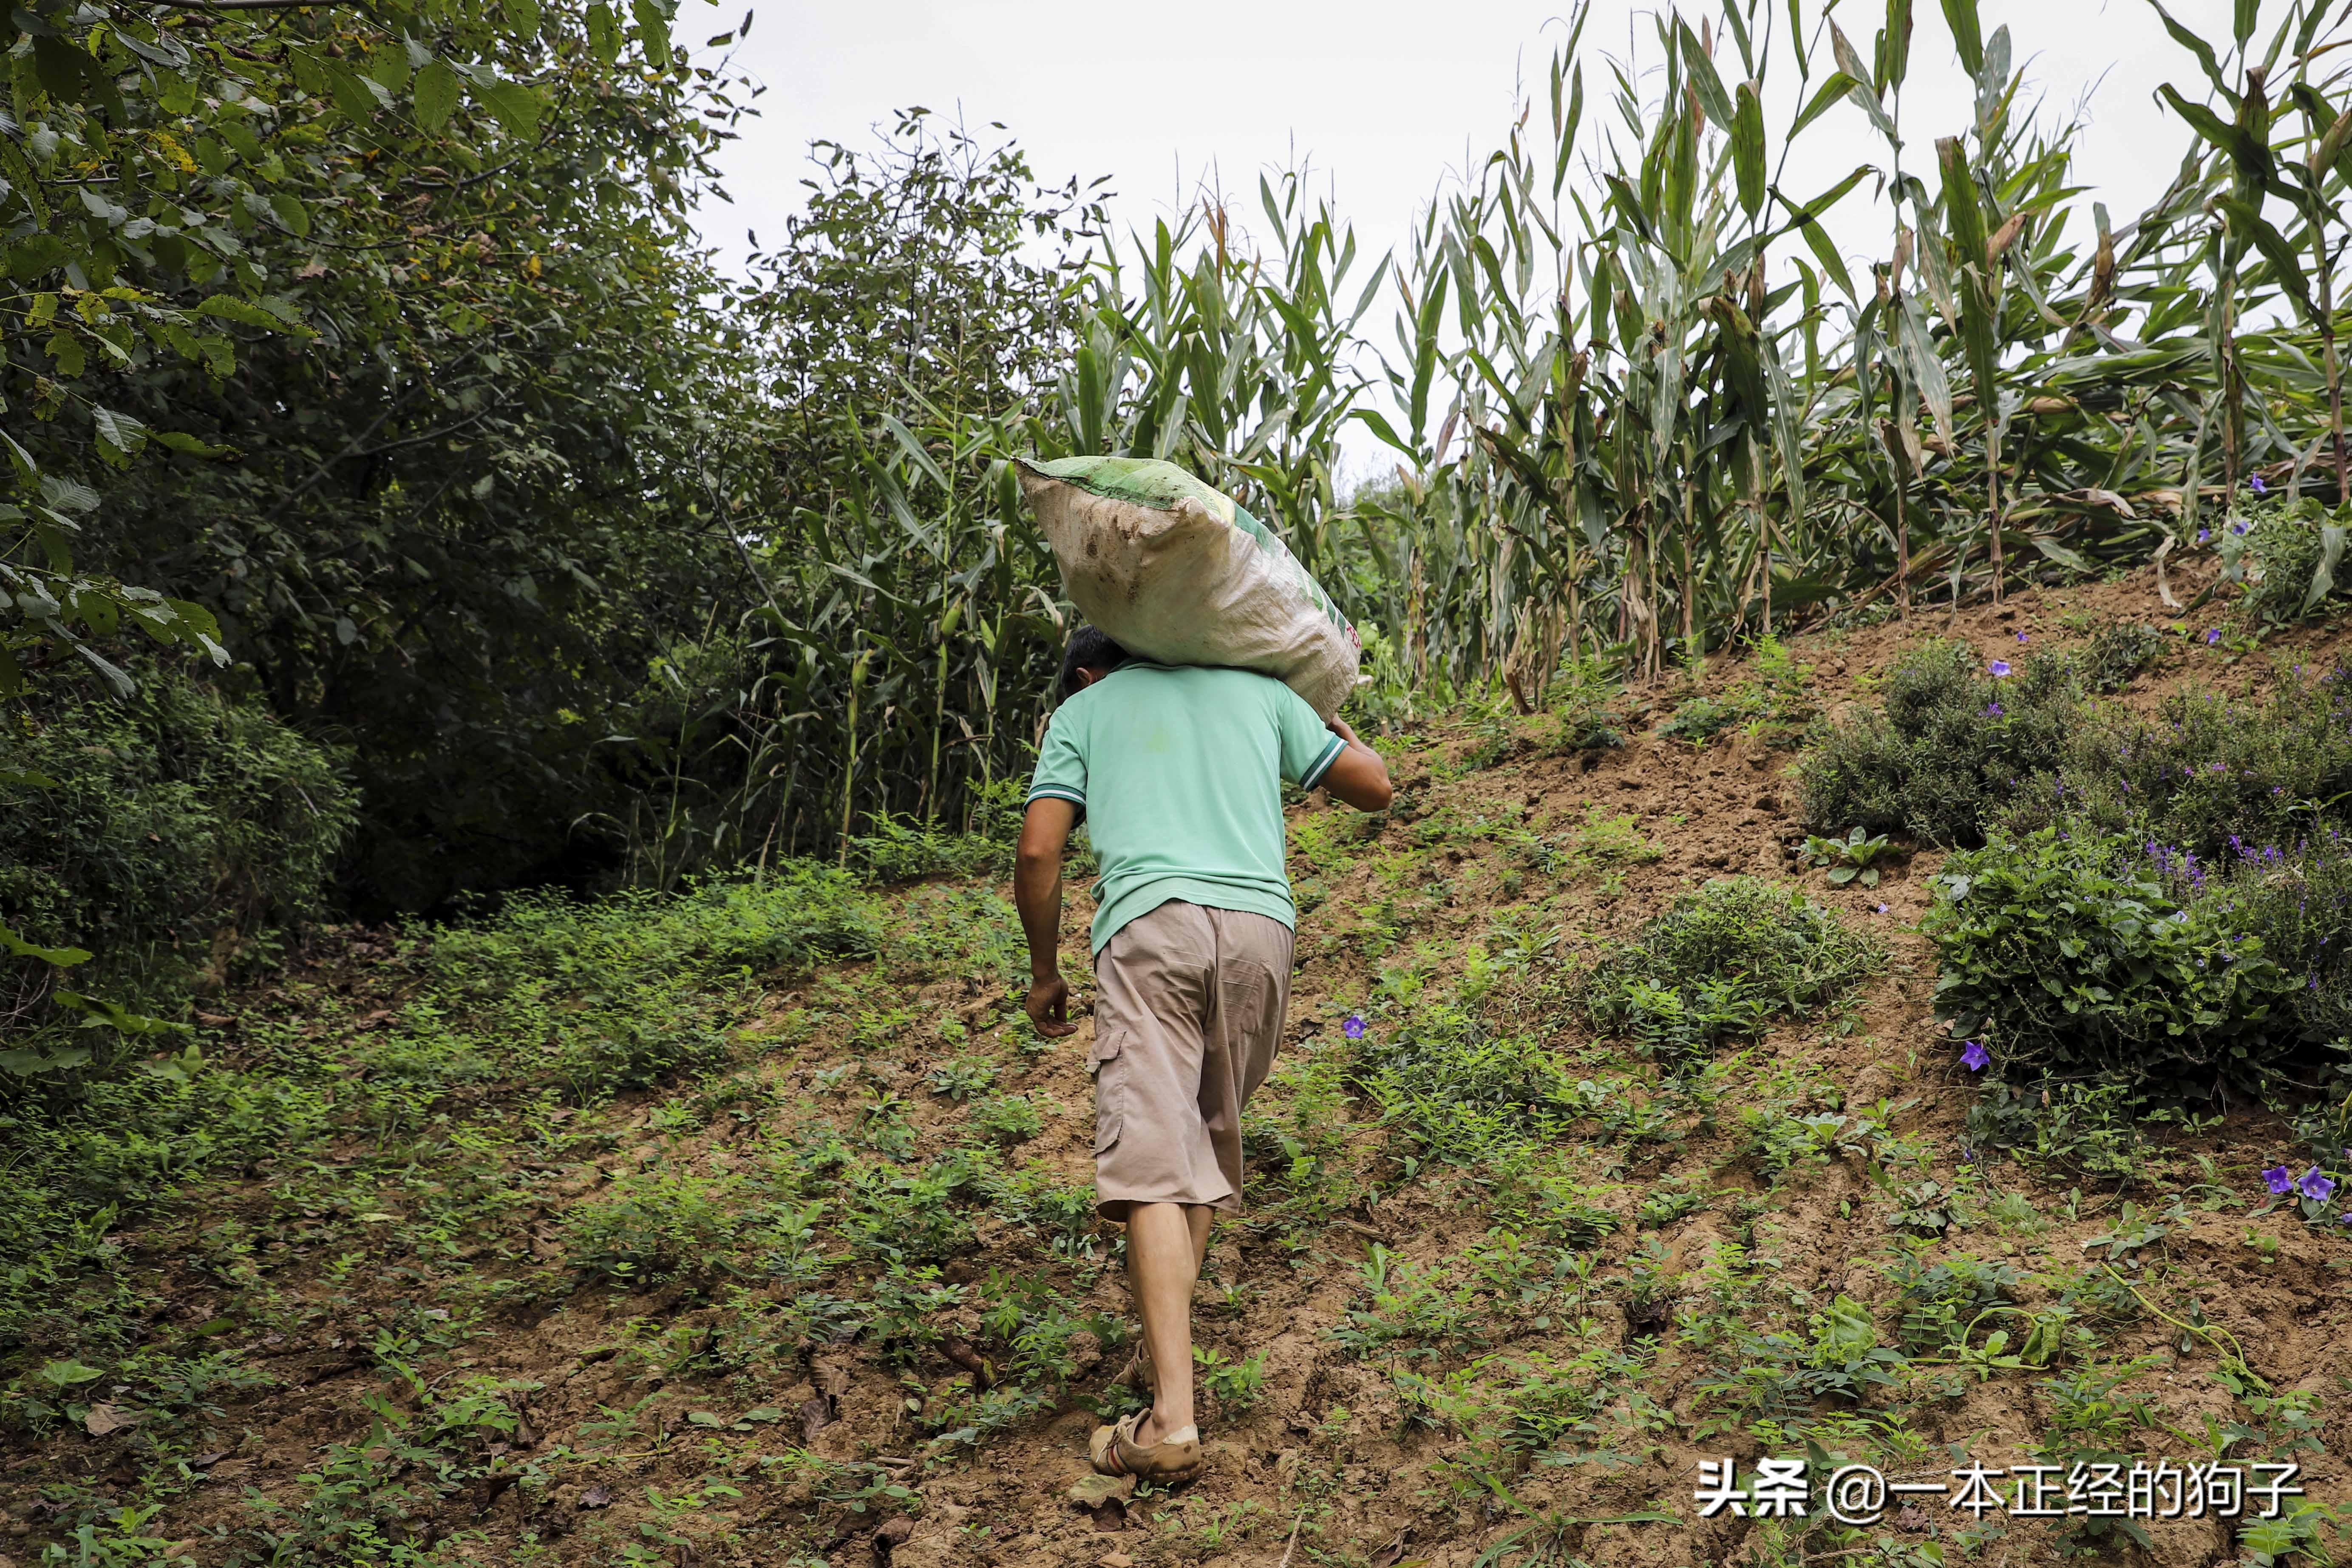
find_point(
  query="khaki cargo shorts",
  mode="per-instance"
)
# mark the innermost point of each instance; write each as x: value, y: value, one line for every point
x: 1189, y: 1008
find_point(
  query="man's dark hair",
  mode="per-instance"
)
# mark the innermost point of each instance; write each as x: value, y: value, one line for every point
x: 1090, y: 648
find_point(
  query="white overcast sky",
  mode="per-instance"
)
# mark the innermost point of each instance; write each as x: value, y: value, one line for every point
x: 1382, y: 99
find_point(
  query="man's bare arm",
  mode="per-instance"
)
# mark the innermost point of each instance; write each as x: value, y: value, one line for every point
x: 1037, y: 894
x: 1360, y: 776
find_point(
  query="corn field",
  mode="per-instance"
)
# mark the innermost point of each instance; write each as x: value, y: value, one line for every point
x: 1638, y: 405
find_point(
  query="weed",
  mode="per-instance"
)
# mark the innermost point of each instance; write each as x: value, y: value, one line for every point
x: 900, y: 850
x: 1941, y: 1301
x: 1853, y: 858
x: 1723, y: 962
x: 1606, y: 842
x: 1007, y: 1119
x: 1673, y: 1199
x: 2090, y: 1420
x: 2291, y: 560
x: 2119, y: 654
x: 1235, y: 1385
x: 962, y: 1078
x: 1770, y: 703
x: 2085, y: 1130
x: 1411, y: 1311
x: 1588, y: 721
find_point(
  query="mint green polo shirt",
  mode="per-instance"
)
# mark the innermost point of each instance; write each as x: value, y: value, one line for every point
x: 1179, y: 771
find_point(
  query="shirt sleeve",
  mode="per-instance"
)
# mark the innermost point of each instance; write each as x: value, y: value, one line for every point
x: 1061, y: 773
x: 1308, y: 746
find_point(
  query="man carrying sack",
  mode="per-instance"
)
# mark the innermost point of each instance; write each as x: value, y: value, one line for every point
x: 1179, y: 773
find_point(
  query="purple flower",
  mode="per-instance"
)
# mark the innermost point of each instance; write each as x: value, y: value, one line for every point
x: 1967, y: 1156
x: 1354, y: 1027
x: 1975, y: 1058
x: 2021, y: 636
x: 2314, y: 1186
x: 2256, y: 480
x: 2212, y: 637
x: 1881, y: 908
x: 2203, y: 534
x: 2278, y: 1178
x: 1999, y: 667
x: 1992, y: 710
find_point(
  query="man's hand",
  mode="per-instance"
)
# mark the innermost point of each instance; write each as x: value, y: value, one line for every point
x: 1049, y: 1006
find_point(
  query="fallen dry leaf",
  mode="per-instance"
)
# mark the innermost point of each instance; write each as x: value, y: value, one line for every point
x: 893, y: 1532
x: 816, y: 1415
x: 595, y: 1497
x: 105, y: 1419
x: 1110, y: 1515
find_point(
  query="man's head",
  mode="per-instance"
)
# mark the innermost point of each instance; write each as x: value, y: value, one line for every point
x: 1089, y: 657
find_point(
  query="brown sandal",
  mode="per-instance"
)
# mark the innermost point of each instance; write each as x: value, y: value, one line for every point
x: 1115, y: 1452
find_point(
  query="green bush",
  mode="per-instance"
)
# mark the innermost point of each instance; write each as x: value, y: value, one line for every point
x: 175, y: 826
x: 1725, y: 961
x: 2078, y: 955
x: 2164, y: 904
x: 1951, y: 743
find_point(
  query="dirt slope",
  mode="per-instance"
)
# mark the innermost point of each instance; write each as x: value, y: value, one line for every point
x: 1521, y: 1360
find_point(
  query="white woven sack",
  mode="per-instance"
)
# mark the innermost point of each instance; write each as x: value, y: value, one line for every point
x: 1174, y: 571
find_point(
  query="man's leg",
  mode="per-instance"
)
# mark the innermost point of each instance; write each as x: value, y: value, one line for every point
x: 1165, y: 1246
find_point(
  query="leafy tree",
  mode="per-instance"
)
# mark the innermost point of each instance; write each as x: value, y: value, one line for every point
x: 376, y: 344
x: 934, y: 277
x: 891, y: 643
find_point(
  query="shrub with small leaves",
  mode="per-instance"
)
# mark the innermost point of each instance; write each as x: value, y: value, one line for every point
x: 1725, y: 961
x: 1954, y: 738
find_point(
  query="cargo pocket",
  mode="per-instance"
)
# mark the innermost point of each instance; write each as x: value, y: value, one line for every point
x: 1110, y: 1086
